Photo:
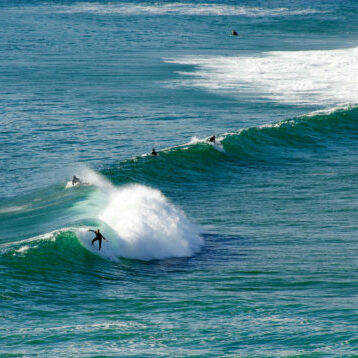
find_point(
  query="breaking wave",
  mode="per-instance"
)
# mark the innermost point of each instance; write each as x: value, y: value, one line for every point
x: 322, y: 78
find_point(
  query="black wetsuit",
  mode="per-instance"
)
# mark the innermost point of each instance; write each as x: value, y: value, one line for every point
x: 98, y: 237
x: 75, y: 180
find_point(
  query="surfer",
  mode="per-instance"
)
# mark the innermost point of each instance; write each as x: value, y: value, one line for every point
x: 98, y: 237
x: 75, y: 180
x: 234, y: 33
x: 154, y: 152
x: 212, y: 139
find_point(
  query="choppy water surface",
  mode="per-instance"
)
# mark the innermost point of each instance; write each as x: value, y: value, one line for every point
x: 243, y: 247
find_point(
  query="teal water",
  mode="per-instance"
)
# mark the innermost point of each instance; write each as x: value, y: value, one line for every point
x: 243, y: 248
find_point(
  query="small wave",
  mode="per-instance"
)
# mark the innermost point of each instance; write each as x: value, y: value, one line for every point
x: 267, y: 143
x: 23, y: 246
x: 197, y: 9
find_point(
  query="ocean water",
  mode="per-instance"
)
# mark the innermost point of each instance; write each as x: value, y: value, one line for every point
x: 243, y: 248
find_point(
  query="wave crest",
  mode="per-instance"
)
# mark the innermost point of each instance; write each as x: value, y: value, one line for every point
x: 140, y: 223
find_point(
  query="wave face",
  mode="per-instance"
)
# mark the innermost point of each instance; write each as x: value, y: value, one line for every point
x: 323, y: 77
x: 293, y: 140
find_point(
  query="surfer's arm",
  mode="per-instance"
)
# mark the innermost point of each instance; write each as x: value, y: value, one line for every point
x: 92, y: 231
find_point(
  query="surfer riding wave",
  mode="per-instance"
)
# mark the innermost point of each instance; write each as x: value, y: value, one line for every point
x: 98, y: 237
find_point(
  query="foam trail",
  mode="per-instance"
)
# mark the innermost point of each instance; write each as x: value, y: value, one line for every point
x: 140, y: 223
x: 13, y: 209
x: 178, y: 8
x: 325, y: 78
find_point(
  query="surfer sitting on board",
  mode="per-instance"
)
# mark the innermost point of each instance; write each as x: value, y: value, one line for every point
x: 75, y: 180
x: 212, y: 139
x: 98, y: 237
x: 154, y: 152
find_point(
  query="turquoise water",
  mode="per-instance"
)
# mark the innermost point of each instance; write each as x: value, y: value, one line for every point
x: 242, y: 248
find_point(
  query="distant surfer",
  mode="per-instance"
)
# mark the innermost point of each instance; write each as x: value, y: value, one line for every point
x: 234, y: 33
x: 75, y: 180
x: 212, y: 139
x: 154, y: 152
x: 98, y: 237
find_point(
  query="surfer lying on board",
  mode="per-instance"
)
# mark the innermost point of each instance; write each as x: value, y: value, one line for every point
x: 75, y: 180
x: 98, y: 237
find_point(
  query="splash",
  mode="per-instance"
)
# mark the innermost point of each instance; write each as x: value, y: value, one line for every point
x: 140, y: 223
x: 89, y: 177
x: 216, y: 145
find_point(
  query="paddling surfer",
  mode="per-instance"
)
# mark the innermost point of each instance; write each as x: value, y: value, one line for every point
x: 75, y: 180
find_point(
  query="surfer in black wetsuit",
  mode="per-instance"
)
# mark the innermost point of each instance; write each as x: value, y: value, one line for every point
x: 234, y: 33
x: 98, y: 237
x: 212, y: 139
x: 154, y: 152
x: 75, y: 180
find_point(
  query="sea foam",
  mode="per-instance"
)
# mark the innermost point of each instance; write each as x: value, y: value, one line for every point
x: 326, y: 77
x: 140, y: 223
x: 178, y: 8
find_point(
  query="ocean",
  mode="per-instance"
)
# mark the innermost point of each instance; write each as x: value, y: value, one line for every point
x: 242, y: 247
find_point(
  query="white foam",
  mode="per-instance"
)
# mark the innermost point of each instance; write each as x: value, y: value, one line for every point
x: 326, y: 77
x: 142, y: 224
x: 13, y: 209
x: 23, y: 249
x: 197, y: 9
x: 217, y: 145
x: 89, y: 177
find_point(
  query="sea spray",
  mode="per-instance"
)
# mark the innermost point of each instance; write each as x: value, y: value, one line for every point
x: 139, y: 223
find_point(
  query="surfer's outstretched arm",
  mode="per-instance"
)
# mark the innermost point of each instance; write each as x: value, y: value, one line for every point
x: 92, y: 231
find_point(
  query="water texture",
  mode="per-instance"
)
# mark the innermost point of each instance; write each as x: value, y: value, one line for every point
x: 246, y: 247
